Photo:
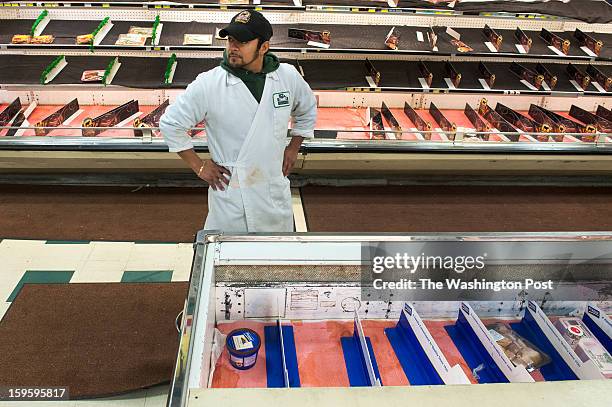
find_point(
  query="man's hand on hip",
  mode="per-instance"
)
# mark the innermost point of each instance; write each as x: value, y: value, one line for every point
x: 207, y: 170
x: 214, y: 174
x: 291, y: 152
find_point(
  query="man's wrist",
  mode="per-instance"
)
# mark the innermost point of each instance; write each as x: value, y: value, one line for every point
x: 198, y: 168
x: 295, y: 143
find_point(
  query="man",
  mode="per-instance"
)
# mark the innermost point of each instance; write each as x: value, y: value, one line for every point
x: 246, y: 104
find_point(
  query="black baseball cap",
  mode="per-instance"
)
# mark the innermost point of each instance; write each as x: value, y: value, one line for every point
x: 248, y: 25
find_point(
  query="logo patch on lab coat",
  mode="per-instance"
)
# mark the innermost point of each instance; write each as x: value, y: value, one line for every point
x: 281, y: 99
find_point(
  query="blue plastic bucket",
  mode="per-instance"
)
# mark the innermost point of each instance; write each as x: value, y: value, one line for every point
x: 242, y: 346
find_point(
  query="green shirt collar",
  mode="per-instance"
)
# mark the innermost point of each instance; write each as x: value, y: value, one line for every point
x: 271, y: 64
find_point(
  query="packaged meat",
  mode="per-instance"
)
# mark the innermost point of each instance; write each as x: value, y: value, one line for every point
x: 197, y: 39
x: 131, y: 40
x: 146, y: 31
x: 27, y: 39
x: 42, y: 39
x: 461, y: 46
x: 322, y: 37
x: 519, y: 350
x: 21, y: 39
x: 585, y: 344
x: 84, y: 39
x: 92, y: 76
x: 392, y: 40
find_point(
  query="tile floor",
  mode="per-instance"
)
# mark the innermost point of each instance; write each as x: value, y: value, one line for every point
x: 86, y: 262
x: 40, y: 261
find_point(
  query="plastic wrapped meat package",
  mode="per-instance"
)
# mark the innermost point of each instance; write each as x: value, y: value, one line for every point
x: 519, y: 350
x: 585, y: 344
x: 27, y: 39
x: 197, y: 39
x: 95, y: 75
x: 84, y: 39
x: 146, y: 31
x: 131, y: 40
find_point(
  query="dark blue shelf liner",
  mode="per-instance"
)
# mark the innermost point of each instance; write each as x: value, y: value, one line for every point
x: 605, y: 340
x: 474, y: 352
x: 355, y: 361
x: 412, y: 357
x: 274, y: 361
x: 557, y: 369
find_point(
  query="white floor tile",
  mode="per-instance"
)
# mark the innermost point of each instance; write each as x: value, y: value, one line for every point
x: 11, y: 272
x: 99, y: 272
x: 152, y: 257
x: 68, y: 403
x: 111, y: 251
x: 60, y: 257
x: 182, y: 264
x: 21, y: 248
x: 157, y: 396
x: 9, y: 277
x: 3, y: 308
x: 11, y: 255
x: 7, y: 260
x: 140, y: 398
x: 133, y: 399
x: 181, y: 273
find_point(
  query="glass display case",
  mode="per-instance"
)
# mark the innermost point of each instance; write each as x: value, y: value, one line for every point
x: 318, y: 315
x: 380, y: 107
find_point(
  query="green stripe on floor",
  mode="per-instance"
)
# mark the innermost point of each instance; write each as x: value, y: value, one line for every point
x: 41, y: 277
x: 149, y: 276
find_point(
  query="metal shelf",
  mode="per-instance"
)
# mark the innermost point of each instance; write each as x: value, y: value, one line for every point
x: 58, y: 143
x: 56, y: 49
x: 414, y: 18
x: 338, y: 75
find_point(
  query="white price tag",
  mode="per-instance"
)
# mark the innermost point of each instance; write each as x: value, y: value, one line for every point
x: 578, y: 87
x: 423, y: 83
x: 556, y: 51
x: 490, y: 46
x: 598, y: 87
x: 449, y: 83
x: 588, y: 51
x: 317, y: 44
x: 530, y: 86
x: 496, y: 335
x: 241, y: 342
x: 484, y: 84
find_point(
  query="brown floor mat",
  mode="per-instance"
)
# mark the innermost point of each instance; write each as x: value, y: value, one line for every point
x: 96, y: 339
x: 176, y: 214
x: 101, y: 213
x: 457, y: 209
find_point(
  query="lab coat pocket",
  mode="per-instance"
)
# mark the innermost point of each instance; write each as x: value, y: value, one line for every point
x: 280, y: 192
x: 219, y: 193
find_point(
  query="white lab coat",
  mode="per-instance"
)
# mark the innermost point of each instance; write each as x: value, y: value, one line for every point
x: 249, y: 139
